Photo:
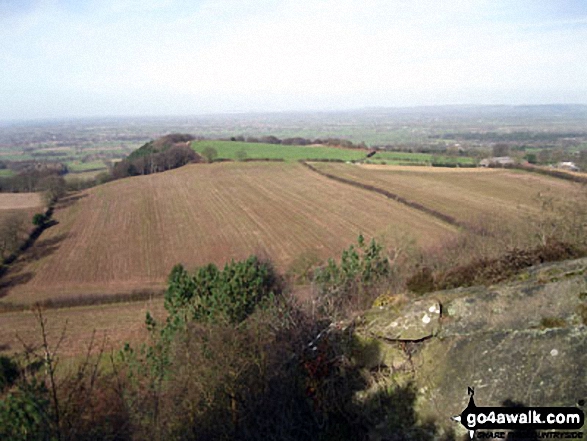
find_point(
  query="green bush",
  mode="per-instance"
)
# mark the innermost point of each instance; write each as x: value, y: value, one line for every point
x: 211, y: 295
x: 25, y: 414
x: 347, y: 284
x: 39, y: 219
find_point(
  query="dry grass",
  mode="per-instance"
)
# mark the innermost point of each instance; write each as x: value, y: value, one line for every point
x: 128, y: 234
x: 468, y: 195
x: 20, y: 201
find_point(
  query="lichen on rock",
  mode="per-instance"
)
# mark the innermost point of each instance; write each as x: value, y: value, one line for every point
x: 524, y: 341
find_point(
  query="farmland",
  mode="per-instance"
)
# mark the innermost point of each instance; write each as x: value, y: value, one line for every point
x: 468, y: 195
x: 19, y: 201
x: 21, y: 205
x: 22, y: 326
x: 124, y: 237
x: 127, y: 235
x: 6, y: 173
x: 230, y: 150
x: 400, y: 158
x: 234, y: 150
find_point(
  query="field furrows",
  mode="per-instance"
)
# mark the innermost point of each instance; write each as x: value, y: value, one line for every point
x: 114, y: 324
x: 128, y: 234
x: 466, y: 195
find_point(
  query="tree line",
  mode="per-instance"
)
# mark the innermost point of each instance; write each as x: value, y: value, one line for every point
x: 333, y: 142
x: 33, y: 180
x: 166, y: 153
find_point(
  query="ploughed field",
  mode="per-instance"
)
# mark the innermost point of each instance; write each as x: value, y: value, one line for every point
x: 127, y: 235
x: 469, y: 195
x: 110, y: 325
x: 19, y: 208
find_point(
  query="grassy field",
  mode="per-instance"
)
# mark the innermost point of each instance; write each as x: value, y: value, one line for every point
x: 86, y: 175
x: 468, y: 195
x: 12, y: 156
x: 78, y: 166
x: 128, y: 234
x: 229, y: 150
x: 418, y: 158
x: 6, y: 173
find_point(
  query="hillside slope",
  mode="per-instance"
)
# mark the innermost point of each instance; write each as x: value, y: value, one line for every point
x: 127, y: 235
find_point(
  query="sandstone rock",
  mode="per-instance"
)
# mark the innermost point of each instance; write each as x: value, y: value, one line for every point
x: 524, y: 341
x: 416, y: 321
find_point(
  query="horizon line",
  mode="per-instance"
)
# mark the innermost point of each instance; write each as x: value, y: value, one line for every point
x: 277, y: 112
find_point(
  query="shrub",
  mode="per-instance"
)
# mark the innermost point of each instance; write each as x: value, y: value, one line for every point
x: 345, y: 286
x: 25, y: 414
x: 39, y: 219
x: 211, y: 295
x: 301, y: 270
x: 486, y: 271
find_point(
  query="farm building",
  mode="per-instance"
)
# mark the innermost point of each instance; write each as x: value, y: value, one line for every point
x: 568, y: 166
x: 497, y: 161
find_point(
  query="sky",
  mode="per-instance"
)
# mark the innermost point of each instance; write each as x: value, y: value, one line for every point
x: 77, y: 58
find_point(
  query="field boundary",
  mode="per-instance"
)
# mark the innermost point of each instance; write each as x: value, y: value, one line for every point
x: 30, y: 240
x: 560, y: 174
x: 417, y: 206
x: 85, y: 300
x: 78, y: 172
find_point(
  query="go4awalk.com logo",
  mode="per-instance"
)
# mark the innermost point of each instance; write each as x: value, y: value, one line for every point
x: 520, y: 419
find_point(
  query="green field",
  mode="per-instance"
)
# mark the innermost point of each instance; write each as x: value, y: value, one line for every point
x: 406, y: 158
x: 78, y: 166
x: 6, y: 173
x: 229, y: 150
x: 9, y: 156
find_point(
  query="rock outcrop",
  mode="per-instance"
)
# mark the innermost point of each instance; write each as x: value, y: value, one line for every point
x: 522, y: 342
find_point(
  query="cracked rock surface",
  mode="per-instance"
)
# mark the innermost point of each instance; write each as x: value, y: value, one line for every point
x: 523, y: 341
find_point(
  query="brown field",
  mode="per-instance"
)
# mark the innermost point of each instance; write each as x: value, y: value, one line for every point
x: 19, y: 201
x: 128, y: 234
x: 114, y: 324
x: 22, y: 206
x: 467, y: 194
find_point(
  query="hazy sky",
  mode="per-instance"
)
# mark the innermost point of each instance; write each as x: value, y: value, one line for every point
x: 61, y: 58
